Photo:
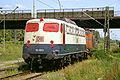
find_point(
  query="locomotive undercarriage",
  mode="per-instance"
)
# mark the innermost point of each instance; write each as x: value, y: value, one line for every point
x: 40, y: 62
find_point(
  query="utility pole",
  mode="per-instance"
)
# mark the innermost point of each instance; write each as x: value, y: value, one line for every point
x: 15, y: 35
x: 4, y: 14
x: 106, y: 30
x: 4, y: 30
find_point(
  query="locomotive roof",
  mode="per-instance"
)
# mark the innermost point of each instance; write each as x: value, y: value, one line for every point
x: 46, y: 19
x: 53, y: 20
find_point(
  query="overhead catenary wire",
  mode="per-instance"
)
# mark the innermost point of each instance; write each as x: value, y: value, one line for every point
x: 19, y: 3
x: 56, y: 1
x: 45, y: 4
x: 10, y: 13
x: 59, y: 4
x: 93, y: 18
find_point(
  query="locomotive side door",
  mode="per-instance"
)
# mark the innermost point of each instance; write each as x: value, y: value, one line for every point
x: 62, y: 30
x: 63, y: 35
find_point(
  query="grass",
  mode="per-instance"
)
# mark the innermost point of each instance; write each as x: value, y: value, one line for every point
x: 12, y: 51
x: 88, y: 70
x: 116, y: 55
x: 103, y: 67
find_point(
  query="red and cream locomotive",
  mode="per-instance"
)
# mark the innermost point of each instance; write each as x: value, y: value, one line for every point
x: 59, y: 41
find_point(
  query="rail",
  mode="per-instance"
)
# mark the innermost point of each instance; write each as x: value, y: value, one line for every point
x: 26, y: 75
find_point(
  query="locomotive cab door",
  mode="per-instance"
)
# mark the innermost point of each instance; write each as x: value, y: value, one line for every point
x: 62, y: 30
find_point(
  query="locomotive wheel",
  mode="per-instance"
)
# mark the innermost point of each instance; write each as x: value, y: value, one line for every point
x: 33, y: 65
x: 85, y: 56
x: 80, y: 58
x: 69, y: 59
x: 57, y: 64
x: 61, y: 63
x: 73, y: 59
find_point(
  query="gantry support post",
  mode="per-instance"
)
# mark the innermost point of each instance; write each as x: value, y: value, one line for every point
x: 106, y: 30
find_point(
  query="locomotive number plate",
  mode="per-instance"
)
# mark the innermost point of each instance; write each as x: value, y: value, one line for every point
x: 40, y: 50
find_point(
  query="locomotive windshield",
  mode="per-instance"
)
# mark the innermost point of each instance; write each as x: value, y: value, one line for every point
x: 32, y: 27
x: 51, y: 27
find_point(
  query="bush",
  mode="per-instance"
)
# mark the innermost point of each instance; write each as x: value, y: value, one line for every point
x: 101, y: 54
x: 116, y: 50
x: 11, y: 35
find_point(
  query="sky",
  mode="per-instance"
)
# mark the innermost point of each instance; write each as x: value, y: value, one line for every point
x: 54, y: 4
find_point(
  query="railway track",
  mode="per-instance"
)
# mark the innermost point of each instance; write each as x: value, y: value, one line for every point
x: 27, y: 75
x: 8, y: 68
x: 12, y: 65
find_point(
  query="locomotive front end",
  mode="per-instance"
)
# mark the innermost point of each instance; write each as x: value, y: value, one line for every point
x: 41, y: 40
